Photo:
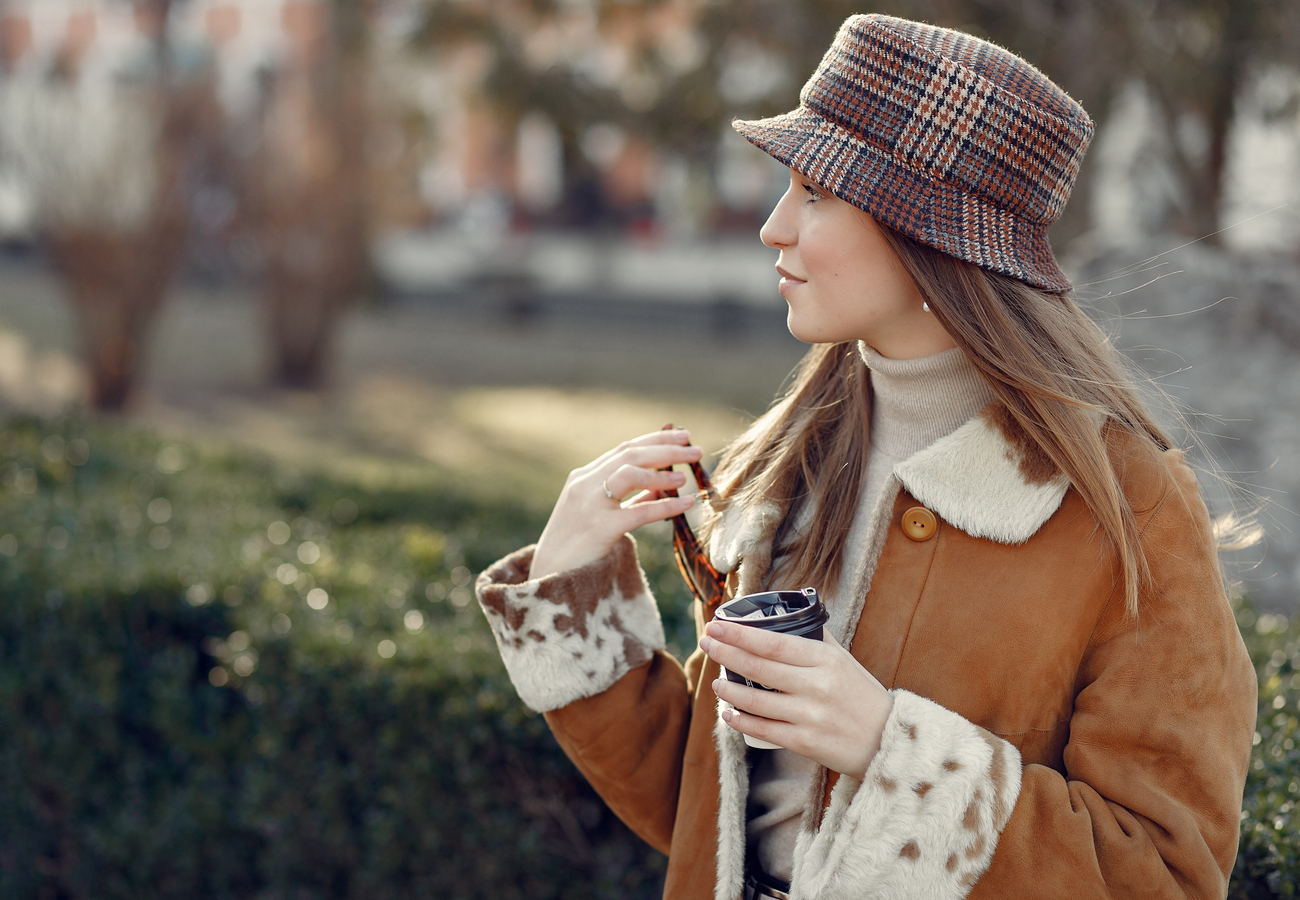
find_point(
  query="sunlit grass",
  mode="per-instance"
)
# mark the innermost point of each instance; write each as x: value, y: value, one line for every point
x: 515, y: 444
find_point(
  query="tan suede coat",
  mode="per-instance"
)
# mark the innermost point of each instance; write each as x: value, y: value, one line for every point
x: 1133, y: 735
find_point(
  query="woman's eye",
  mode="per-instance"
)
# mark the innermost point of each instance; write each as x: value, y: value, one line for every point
x: 813, y: 193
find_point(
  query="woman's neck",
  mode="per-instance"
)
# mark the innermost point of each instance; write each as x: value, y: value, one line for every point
x: 917, y: 401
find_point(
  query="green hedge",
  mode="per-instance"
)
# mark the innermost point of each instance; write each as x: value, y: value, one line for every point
x: 183, y: 713
x: 1268, y: 863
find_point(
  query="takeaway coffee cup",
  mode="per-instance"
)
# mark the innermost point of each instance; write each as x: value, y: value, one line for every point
x: 799, y: 613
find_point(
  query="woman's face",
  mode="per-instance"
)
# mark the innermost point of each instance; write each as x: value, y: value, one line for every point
x: 841, y: 278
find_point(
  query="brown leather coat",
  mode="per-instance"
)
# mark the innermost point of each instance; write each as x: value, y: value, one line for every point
x: 1133, y: 735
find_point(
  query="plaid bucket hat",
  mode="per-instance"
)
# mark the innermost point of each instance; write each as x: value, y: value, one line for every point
x: 953, y: 141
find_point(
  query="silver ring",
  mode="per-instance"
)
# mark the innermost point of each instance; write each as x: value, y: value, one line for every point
x: 608, y: 492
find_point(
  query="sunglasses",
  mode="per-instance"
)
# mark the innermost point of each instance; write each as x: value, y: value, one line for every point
x: 705, y: 582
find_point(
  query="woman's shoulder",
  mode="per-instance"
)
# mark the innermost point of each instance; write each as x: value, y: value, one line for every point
x: 1150, y: 475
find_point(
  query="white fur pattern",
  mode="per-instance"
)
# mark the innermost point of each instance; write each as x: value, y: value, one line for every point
x: 745, y: 535
x: 574, y: 634
x: 845, y: 607
x: 972, y: 478
x: 924, y: 823
x: 733, y: 792
x: 925, y: 820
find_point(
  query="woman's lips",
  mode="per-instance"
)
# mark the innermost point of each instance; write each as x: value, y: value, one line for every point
x: 788, y: 282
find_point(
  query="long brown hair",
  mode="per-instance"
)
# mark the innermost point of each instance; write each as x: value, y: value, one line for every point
x: 1051, y: 367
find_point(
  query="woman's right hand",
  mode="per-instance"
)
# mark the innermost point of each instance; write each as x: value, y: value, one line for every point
x: 586, y: 522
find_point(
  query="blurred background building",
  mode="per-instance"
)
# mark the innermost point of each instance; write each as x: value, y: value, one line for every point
x: 483, y: 127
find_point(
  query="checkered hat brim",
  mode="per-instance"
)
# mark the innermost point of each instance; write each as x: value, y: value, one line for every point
x: 951, y: 140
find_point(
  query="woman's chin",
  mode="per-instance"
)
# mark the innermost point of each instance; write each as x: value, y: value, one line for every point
x: 810, y: 333
x: 801, y: 330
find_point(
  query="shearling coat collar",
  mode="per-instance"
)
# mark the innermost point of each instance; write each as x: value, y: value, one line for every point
x: 987, y: 478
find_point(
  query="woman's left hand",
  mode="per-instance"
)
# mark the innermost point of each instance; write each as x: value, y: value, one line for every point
x: 830, y: 709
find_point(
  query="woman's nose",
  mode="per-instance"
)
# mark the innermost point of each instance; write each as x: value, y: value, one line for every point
x: 779, y: 231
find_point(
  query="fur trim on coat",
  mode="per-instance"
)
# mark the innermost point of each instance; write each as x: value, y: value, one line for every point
x: 573, y: 634
x: 925, y: 819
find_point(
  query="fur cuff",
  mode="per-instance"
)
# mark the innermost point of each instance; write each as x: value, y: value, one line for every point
x: 573, y: 634
x: 925, y: 820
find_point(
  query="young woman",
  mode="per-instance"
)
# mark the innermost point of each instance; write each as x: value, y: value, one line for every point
x: 1031, y: 683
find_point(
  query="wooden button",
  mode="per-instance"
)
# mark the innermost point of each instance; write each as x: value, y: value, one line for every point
x: 919, y: 523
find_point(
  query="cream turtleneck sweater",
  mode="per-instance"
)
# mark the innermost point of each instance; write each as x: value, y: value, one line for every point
x: 914, y: 403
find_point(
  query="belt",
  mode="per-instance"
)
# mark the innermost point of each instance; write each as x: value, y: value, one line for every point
x: 758, y: 888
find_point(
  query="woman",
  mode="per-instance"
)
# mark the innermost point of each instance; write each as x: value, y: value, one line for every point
x: 1032, y: 683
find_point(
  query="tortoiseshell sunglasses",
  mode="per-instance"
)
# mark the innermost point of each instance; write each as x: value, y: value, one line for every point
x: 705, y: 582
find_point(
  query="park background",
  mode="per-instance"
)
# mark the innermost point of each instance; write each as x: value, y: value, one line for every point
x: 307, y: 307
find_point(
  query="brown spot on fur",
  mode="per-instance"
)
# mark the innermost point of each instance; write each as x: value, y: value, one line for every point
x: 1035, y: 465
x: 969, y: 879
x: 998, y: 775
x: 976, y: 848
x: 536, y: 635
x: 634, y: 651
x: 951, y: 864
x: 509, y: 571
x: 496, y: 599
x: 971, y: 819
x: 910, y: 851
x: 627, y: 573
x: 911, y: 731
x: 951, y: 765
x: 888, y: 785
x: 583, y: 589
x: 923, y: 788
x: 581, y: 608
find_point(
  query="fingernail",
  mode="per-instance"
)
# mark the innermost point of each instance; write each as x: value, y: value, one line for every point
x: 705, y: 643
x: 726, y: 716
x: 717, y: 683
x: 715, y: 629
x: 688, y: 501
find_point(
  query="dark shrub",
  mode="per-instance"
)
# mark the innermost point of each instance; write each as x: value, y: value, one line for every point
x: 178, y: 719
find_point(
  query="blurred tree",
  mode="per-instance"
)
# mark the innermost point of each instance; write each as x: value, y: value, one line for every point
x: 1195, y: 58
x: 581, y: 65
x: 676, y: 72
x: 306, y: 187
x: 106, y: 165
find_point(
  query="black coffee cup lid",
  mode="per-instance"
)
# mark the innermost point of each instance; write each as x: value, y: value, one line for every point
x: 777, y: 610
